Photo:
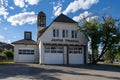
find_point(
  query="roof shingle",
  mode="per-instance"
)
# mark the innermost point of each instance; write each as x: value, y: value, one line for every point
x: 23, y: 41
x: 64, y: 18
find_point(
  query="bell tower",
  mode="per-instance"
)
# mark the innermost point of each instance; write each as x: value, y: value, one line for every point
x: 41, y: 19
x: 41, y: 22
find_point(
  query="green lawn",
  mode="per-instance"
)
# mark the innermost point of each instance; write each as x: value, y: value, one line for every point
x: 115, y: 65
x: 109, y: 64
x: 6, y: 62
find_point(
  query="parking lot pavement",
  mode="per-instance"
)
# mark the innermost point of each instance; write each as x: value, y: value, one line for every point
x: 58, y: 72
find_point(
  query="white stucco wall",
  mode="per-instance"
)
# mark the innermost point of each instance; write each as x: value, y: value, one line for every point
x: 47, y: 37
x: 48, y: 34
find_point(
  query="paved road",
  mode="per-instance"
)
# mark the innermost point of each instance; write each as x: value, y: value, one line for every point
x: 56, y: 72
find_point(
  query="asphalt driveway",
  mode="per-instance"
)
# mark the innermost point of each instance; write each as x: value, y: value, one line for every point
x: 58, y: 72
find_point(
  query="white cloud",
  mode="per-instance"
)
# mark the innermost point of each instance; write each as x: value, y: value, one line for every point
x: 8, y: 41
x: 19, y: 3
x: 5, y: 28
x: 32, y: 2
x: 91, y: 18
x: 22, y: 18
x: 79, y: 4
x: 14, y: 37
x: 2, y: 38
x: 81, y: 16
x: 57, y: 7
x: 4, y: 2
x: 3, y: 9
x: 87, y: 15
x: 12, y: 8
x: 0, y: 20
x: 24, y: 3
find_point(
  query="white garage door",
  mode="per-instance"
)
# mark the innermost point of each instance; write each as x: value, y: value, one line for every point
x: 25, y: 55
x: 76, y: 55
x: 53, y: 55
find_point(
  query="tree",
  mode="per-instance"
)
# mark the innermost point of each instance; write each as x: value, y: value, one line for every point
x: 92, y: 30
x: 108, y: 56
x: 117, y: 56
x: 103, y: 34
x: 110, y: 35
x: 8, y: 53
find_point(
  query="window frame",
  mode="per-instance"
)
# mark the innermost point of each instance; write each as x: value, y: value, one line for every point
x: 26, y: 51
x: 75, y: 50
x: 64, y: 33
x: 55, y: 32
x: 54, y: 49
x: 27, y: 35
x: 74, y: 33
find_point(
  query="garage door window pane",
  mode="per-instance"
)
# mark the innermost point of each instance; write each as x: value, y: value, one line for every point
x: 25, y: 51
x: 32, y: 51
x: 75, y: 50
x: 20, y: 51
x: 54, y: 49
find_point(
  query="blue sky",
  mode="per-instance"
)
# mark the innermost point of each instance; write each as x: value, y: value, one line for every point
x: 17, y: 16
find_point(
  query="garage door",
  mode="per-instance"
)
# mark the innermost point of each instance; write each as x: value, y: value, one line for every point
x: 76, y: 55
x: 53, y: 55
x: 25, y: 55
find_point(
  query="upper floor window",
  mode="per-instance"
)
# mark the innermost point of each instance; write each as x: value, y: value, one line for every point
x: 55, y: 32
x: 65, y: 33
x: 74, y: 34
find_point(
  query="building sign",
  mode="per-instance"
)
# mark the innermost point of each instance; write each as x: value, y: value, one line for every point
x: 65, y: 40
x: 60, y: 40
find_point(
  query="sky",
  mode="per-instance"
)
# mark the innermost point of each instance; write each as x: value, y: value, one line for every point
x: 17, y: 16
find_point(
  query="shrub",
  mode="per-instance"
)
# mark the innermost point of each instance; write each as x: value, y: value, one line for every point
x: 8, y: 53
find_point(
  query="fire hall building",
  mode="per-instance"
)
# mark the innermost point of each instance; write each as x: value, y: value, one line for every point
x: 59, y: 43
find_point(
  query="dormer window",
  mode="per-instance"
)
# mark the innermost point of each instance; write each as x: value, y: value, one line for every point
x: 27, y: 35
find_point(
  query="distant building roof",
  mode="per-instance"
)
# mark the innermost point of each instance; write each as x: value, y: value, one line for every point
x: 2, y: 43
x: 64, y: 18
x: 23, y: 41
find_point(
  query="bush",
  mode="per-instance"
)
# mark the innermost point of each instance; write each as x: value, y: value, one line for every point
x: 8, y: 53
x: 117, y: 56
x: 3, y: 55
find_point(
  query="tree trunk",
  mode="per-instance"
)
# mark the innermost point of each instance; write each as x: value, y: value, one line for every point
x: 102, y: 53
x: 93, y: 53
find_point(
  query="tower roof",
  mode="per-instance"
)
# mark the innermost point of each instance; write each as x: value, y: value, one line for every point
x: 64, y: 18
x: 41, y: 13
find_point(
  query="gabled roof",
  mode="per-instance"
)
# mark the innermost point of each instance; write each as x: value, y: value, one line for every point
x: 42, y: 31
x: 64, y: 18
x: 60, y: 18
x: 23, y: 41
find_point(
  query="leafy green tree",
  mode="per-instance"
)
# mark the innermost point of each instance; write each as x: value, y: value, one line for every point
x: 8, y: 53
x: 92, y: 30
x: 103, y: 34
x: 108, y: 56
x: 117, y: 56
x: 110, y: 35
